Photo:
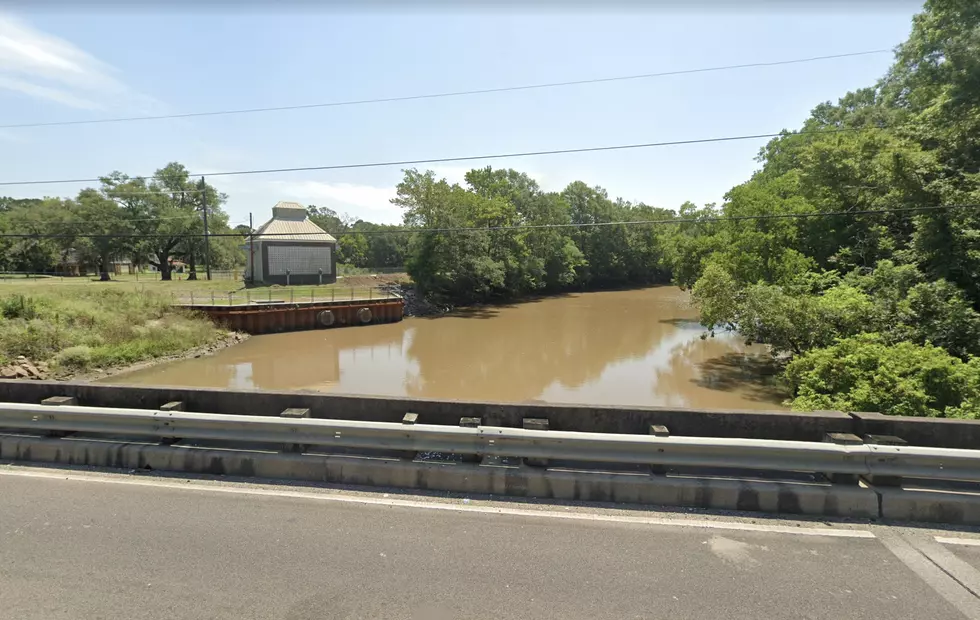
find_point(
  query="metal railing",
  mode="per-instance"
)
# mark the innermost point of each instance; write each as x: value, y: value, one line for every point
x: 290, y: 295
x: 759, y: 454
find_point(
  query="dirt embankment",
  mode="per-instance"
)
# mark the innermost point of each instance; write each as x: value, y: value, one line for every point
x: 415, y: 304
x: 25, y: 369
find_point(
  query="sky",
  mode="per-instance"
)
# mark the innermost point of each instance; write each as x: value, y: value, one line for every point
x: 60, y: 66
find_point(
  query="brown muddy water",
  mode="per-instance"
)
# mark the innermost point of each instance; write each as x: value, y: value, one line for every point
x: 638, y: 347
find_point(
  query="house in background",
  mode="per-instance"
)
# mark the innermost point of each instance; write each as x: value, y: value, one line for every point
x: 290, y: 245
x: 72, y: 264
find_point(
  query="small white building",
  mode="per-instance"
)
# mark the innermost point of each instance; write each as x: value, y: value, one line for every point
x: 291, y: 246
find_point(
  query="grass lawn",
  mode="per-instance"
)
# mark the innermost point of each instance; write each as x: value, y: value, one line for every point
x: 220, y: 291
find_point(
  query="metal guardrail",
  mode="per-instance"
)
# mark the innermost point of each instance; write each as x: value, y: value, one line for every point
x: 761, y: 454
x: 288, y: 295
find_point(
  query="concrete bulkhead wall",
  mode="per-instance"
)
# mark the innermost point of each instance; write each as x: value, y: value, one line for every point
x: 798, y: 426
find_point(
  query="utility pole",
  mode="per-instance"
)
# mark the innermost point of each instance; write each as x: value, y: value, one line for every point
x: 207, y: 239
x: 251, y: 250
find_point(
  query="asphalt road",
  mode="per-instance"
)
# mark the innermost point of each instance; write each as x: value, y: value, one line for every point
x: 89, y: 545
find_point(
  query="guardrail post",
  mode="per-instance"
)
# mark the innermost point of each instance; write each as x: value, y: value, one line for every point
x: 57, y: 401
x: 409, y: 419
x: 174, y: 405
x: 471, y: 423
x: 536, y: 424
x: 294, y: 413
x: 658, y: 430
x: 842, y: 439
x: 884, y: 440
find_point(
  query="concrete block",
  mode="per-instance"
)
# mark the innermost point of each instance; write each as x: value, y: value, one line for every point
x: 174, y: 405
x: 710, y: 493
x: 659, y: 430
x: 297, y: 413
x: 843, y: 439
x: 410, y: 419
x: 57, y: 401
x: 535, y: 424
x: 471, y: 422
x: 899, y: 504
x: 884, y: 440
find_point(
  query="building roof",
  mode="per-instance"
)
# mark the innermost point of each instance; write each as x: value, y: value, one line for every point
x: 290, y: 223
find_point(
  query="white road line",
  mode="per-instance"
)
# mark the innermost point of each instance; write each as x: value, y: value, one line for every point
x: 968, y: 542
x: 961, y: 571
x: 229, y: 488
x: 935, y: 576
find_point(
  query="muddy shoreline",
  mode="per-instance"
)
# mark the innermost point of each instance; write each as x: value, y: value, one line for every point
x: 40, y: 370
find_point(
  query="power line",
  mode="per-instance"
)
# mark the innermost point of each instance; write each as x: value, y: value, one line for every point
x: 113, y: 193
x: 461, y: 93
x: 442, y: 160
x: 690, y: 220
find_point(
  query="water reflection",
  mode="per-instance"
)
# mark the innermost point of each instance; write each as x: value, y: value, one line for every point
x: 623, y: 347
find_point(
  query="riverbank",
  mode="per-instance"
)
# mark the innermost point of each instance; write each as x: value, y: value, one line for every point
x: 77, y: 332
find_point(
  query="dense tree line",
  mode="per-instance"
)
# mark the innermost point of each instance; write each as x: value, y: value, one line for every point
x: 502, y: 236
x: 870, y: 300
x: 145, y: 221
x: 361, y: 243
x: 872, y: 311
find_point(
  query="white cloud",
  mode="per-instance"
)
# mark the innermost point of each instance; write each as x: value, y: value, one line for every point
x: 46, y: 67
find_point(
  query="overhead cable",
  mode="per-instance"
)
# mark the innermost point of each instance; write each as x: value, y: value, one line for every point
x: 461, y: 93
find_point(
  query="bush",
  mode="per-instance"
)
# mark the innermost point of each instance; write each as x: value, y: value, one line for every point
x: 864, y: 373
x: 74, y: 357
x: 18, y: 307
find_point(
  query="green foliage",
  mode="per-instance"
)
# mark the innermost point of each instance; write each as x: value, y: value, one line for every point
x: 519, y: 240
x: 18, y: 307
x: 360, y: 243
x: 81, y: 327
x: 864, y: 373
x: 103, y: 225
x: 788, y: 318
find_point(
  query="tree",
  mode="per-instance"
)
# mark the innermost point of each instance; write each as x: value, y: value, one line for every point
x: 103, y: 230
x: 48, y: 236
x: 167, y: 212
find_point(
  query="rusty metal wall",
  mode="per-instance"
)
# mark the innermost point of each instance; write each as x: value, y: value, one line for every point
x: 296, y: 317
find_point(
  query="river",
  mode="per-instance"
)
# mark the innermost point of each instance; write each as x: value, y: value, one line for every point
x: 637, y: 347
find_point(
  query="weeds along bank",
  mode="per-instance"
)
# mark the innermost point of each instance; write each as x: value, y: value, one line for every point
x: 74, y: 329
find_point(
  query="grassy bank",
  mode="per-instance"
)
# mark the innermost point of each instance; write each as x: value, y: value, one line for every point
x: 218, y: 292
x: 75, y: 328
